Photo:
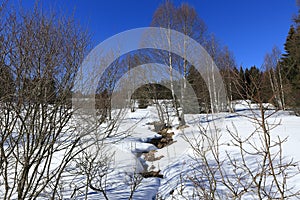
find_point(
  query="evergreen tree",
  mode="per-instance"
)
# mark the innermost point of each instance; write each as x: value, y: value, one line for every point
x: 200, y: 88
x: 241, y: 84
x: 237, y: 83
x: 290, y: 64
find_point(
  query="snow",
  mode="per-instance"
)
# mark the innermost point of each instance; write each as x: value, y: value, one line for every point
x: 240, y: 105
x: 179, y: 163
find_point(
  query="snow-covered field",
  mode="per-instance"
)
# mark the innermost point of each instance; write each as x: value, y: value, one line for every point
x: 184, y: 172
x: 206, y: 160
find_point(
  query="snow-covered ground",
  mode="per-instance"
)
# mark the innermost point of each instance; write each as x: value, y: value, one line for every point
x: 181, y: 166
x: 188, y: 165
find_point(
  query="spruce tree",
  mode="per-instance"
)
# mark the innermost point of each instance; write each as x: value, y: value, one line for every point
x: 290, y: 63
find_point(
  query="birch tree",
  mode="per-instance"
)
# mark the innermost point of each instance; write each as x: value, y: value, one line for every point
x: 189, y: 23
x: 273, y: 68
x: 227, y: 66
x: 185, y: 20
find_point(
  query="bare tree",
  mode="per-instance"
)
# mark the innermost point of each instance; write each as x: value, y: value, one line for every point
x: 213, y: 47
x: 183, y: 19
x: 165, y: 17
x: 256, y: 165
x: 272, y: 66
x: 226, y: 64
x: 37, y: 142
x: 187, y: 22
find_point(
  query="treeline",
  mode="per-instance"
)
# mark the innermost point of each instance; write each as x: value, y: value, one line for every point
x: 182, y: 18
x: 255, y: 84
x: 277, y: 81
x: 37, y: 63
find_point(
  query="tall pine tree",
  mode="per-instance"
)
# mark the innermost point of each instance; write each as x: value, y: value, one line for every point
x: 290, y: 63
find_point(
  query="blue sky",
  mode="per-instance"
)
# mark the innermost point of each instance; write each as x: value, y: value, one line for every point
x: 250, y: 28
